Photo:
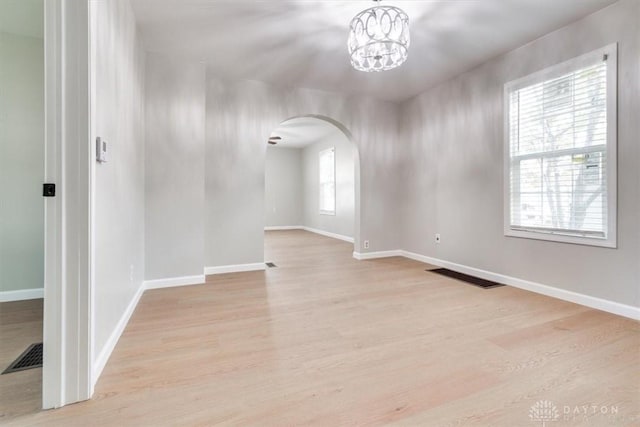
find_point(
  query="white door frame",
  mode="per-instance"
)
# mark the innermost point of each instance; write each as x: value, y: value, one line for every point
x: 68, y: 154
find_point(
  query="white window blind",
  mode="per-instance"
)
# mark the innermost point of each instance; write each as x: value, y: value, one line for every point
x: 559, y: 151
x: 327, y: 168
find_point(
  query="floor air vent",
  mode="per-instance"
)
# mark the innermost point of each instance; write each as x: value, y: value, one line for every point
x: 476, y: 281
x: 270, y: 264
x: 31, y: 358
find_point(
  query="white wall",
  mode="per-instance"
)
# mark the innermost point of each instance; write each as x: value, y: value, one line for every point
x: 174, y: 168
x: 452, y: 142
x: 342, y: 222
x: 21, y: 163
x: 118, y: 117
x: 283, y: 187
x: 240, y: 117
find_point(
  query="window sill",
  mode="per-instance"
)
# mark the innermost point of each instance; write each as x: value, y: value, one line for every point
x: 562, y: 238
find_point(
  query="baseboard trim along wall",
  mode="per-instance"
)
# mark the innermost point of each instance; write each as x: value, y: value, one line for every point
x: 329, y: 234
x: 239, y: 268
x: 311, y: 230
x: 373, y: 255
x: 174, y: 281
x: 565, y: 295
x: 283, y: 227
x: 21, y: 295
x: 101, y: 361
x: 574, y: 297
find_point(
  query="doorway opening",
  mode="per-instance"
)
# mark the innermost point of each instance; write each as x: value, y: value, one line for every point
x: 22, y: 215
x: 312, y: 180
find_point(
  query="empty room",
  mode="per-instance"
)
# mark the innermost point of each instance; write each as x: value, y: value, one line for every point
x: 320, y: 212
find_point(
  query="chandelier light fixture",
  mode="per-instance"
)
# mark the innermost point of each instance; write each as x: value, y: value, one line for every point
x: 379, y: 38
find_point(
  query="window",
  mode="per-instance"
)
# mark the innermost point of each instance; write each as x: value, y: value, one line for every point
x: 560, y: 152
x: 327, y: 167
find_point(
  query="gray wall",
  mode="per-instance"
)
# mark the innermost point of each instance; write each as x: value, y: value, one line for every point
x: 283, y: 187
x: 292, y: 185
x: 118, y: 117
x: 240, y: 117
x: 343, y: 221
x: 452, y: 139
x: 21, y: 162
x: 174, y: 168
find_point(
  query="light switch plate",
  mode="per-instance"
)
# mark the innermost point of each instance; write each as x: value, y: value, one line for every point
x: 101, y: 150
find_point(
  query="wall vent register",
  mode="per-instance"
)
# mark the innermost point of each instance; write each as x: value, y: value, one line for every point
x: 476, y: 281
x: 29, y: 359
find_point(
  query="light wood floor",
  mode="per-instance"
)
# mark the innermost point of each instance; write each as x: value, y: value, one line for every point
x: 20, y: 326
x: 326, y: 340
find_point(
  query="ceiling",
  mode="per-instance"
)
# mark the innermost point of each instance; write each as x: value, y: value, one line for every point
x: 303, y: 43
x: 302, y: 131
x: 22, y: 17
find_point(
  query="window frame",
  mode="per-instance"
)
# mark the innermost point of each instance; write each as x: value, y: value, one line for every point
x: 320, y: 183
x: 554, y: 71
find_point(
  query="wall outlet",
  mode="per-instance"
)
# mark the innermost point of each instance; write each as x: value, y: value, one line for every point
x: 131, y: 273
x: 437, y: 237
x: 366, y: 244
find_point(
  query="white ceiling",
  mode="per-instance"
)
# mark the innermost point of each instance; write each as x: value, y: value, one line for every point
x: 22, y: 17
x: 302, y: 131
x: 303, y: 43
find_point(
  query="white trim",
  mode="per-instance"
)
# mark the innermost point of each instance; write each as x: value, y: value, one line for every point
x: 93, y: 25
x: 375, y: 255
x: 611, y: 51
x: 329, y: 234
x: 67, y: 337
x: 105, y: 354
x: 321, y: 153
x: 174, y: 281
x: 110, y: 345
x: 565, y: 295
x: 311, y: 230
x: 559, y: 237
x: 239, y: 268
x: 21, y: 295
x: 283, y: 227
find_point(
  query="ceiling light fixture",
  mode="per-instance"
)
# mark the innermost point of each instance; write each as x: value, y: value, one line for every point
x: 379, y: 38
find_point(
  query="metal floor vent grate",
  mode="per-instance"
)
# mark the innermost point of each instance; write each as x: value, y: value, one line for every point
x: 476, y: 281
x: 270, y: 264
x: 31, y: 358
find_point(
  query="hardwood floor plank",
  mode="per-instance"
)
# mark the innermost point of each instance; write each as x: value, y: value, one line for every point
x: 326, y: 340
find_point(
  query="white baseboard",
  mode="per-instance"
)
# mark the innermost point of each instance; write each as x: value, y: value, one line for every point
x: 585, y: 300
x: 311, y: 230
x: 101, y: 361
x: 374, y: 255
x: 174, y: 281
x: 222, y: 269
x: 21, y: 295
x: 329, y: 234
x: 283, y: 227
x: 582, y: 299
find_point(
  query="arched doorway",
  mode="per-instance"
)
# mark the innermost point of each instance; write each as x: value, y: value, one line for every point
x: 302, y: 198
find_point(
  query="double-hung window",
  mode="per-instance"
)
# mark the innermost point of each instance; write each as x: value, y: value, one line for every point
x: 327, y: 169
x: 560, y: 152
